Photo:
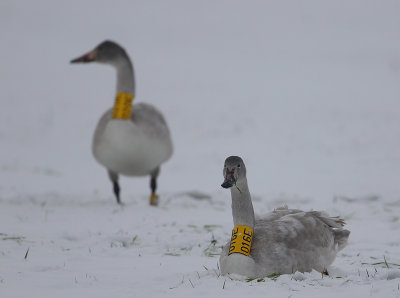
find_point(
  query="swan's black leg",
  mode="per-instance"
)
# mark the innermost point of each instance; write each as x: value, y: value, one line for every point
x: 114, y: 179
x: 153, y: 184
x: 153, y: 187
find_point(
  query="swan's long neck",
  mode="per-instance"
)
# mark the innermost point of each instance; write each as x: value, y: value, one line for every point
x: 242, y: 207
x: 125, y: 76
x: 122, y: 109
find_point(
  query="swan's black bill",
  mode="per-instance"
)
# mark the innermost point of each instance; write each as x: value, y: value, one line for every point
x: 227, y: 184
x: 229, y: 180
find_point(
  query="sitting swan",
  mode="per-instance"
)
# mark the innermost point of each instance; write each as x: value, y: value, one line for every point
x: 285, y: 241
x: 129, y: 140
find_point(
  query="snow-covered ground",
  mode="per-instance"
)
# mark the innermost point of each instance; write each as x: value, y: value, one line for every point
x: 308, y: 93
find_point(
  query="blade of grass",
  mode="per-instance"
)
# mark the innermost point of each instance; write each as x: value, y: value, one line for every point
x: 386, y: 263
x: 26, y: 254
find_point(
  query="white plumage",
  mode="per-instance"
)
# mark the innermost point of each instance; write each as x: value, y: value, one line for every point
x: 136, y: 143
x: 284, y: 241
x: 132, y: 148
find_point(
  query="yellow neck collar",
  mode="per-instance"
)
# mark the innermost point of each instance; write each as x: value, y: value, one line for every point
x: 242, y: 236
x: 123, y: 106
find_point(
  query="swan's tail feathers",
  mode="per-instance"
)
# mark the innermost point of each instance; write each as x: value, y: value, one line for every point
x: 333, y: 222
x: 341, y: 237
x: 336, y: 223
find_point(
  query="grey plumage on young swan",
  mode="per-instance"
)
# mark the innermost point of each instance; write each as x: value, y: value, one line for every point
x: 285, y: 240
x: 137, y: 145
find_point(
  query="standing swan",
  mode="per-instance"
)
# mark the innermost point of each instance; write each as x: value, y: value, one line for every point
x: 285, y: 241
x: 128, y: 140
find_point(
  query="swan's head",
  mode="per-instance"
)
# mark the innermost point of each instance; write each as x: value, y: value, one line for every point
x: 234, y: 171
x: 107, y: 52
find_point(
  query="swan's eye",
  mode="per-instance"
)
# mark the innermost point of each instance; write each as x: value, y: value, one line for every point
x: 238, y: 166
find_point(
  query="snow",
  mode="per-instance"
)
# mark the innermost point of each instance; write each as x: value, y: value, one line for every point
x: 306, y: 92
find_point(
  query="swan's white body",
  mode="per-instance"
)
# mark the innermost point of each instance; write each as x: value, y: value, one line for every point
x: 287, y: 241
x: 132, y: 147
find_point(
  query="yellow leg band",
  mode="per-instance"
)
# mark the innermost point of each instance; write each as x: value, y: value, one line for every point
x: 153, y: 199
